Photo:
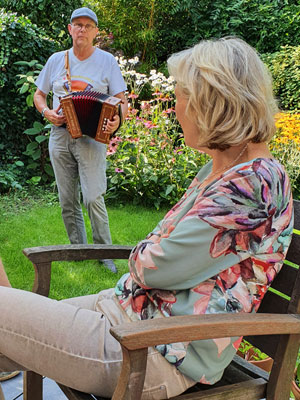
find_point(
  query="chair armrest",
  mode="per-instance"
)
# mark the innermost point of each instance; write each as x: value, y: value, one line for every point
x: 42, y: 257
x: 76, y: 252
x: 148, y: 333
x: 136, y: 337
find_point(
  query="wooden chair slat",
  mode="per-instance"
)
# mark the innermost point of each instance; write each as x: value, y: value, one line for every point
x: 293, y: 254
x: 285, y: 280
x: 249, y: 390
x: 274, y: 304
x: 294, y: 306
x: 267, y: 344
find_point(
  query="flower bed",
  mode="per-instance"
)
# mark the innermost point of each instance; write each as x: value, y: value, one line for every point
x: 148, y: 161
x: 286, y: 144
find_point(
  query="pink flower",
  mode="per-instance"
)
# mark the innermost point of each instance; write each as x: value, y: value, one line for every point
x: 132, y: 140
x: 118, y: 170
x: 145, y: 105
x: 157, y: 94
x: 169, y: 111
x: 132, y: 95
x: 111, y: 150
x: 149, y: 125
x: 116, y: 139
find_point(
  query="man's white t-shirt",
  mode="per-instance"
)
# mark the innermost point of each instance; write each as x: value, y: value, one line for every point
x: 100, y: 72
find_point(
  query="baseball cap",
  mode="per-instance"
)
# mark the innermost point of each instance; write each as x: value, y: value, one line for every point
x: 84, y: 12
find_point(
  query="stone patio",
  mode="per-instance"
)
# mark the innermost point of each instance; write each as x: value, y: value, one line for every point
x: 13, y: 389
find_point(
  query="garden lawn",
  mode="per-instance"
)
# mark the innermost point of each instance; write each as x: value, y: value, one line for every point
x: 40, y: 225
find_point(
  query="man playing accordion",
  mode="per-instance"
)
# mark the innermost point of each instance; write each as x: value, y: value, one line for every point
x: 80, y: 160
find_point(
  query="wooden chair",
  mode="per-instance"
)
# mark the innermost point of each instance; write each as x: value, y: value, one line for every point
x: 275, y: 329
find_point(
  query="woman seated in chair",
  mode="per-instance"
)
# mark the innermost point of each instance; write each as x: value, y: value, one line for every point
x: 216, y: 251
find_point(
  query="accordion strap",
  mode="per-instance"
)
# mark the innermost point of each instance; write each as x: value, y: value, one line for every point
x: 67, y: 67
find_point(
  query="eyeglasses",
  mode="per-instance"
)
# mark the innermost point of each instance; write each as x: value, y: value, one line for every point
x: 88, y: 27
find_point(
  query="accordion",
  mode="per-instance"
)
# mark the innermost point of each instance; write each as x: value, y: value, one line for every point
x: 87, y: 113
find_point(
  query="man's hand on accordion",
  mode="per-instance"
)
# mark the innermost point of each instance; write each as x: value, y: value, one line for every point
x: 55, y: 117
x: 112, y: 125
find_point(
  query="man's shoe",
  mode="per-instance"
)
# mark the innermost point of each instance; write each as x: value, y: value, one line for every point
x: 109, y: 264
x: 8, y: 375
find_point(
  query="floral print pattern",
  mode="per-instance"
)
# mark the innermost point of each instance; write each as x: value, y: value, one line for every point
x: 216, y: 251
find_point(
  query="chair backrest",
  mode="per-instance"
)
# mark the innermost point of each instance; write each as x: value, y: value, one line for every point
x: 284, y: 295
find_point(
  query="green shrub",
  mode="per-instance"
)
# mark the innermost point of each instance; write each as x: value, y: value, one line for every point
x: 11, y: 171
x: 132, y: 24
x: 51, y: 15
x: 19, y: 40
x: 285, y: 69
x: 155, y: 29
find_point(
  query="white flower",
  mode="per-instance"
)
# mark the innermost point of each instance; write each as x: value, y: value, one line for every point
x: 156, y: 82
x: 169, y: 88
x: 153, y: 77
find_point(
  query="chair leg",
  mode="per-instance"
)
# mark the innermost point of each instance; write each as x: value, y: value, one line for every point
x: 1, y: 393
x: 32, y: 386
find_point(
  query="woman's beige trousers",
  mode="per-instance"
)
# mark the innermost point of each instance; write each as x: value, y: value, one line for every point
x: 69, y: 342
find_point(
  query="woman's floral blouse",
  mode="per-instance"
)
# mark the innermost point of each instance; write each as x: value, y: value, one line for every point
x: 216, y: 251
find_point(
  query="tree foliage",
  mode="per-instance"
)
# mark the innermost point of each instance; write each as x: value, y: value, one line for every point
x: 52, y: 16
x: 157, y: 28
x: 285, y: 69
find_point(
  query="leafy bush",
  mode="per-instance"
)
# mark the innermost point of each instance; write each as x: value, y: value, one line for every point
x: 156, y: 29
x: 132, y: 24
x: 265, y: 24
x: 38, y: 160
x: 11, y: 171
x: 19, y: 40
x: 285, y: 69
x: 51, y: 15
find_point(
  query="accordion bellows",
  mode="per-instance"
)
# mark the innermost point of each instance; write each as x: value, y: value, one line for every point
x: 87, y: 113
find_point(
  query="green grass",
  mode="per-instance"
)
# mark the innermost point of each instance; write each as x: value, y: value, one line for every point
x: 28, y: 221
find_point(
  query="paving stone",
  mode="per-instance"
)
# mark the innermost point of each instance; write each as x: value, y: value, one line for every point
x: 13, y: 389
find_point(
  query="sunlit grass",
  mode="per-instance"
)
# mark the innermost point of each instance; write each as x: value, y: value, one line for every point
x: 41, y: 225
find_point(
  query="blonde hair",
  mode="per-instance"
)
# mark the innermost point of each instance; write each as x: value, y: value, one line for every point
x: 229, y: 92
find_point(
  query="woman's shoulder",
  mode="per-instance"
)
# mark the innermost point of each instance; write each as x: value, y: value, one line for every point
x: 262, y: 171
x: 259, y: 184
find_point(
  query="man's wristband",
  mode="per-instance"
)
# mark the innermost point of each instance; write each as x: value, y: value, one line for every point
x: 43, y: 111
